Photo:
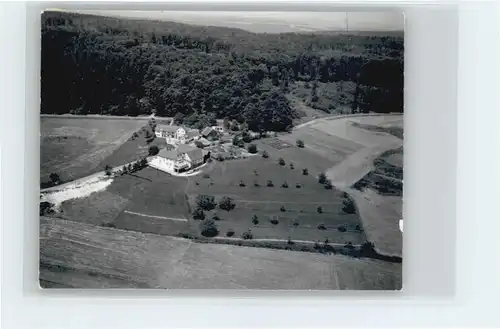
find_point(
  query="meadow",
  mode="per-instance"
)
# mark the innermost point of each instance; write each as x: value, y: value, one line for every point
x: 87, y: 256
x: 76, y: 147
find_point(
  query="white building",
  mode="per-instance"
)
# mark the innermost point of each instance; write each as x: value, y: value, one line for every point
x: 183, y: 158
x: 176, y: 135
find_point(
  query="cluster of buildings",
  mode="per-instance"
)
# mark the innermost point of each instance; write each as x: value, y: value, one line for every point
x: 182, y: 155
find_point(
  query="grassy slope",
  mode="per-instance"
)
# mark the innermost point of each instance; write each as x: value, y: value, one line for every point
x: 85, y: 256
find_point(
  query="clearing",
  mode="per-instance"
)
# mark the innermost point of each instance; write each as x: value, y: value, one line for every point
x: 75, y: 147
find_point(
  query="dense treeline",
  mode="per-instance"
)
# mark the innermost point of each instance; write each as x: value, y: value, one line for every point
x: 102, y: 65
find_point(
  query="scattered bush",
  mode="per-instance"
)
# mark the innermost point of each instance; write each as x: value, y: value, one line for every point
x: 124, y: 170
x: 322, y: 178
x: 342, y: 229
x: 209, y: 228
x: 274, y: 221
x: 55, y: 178
x: 256, y: 184
x: 328, y: 184
x: 270, y: 183
x: 255, y: 220
x: 265, y: 154
x: 291, y: 166
x: 46, y: 208
x: 110, y: 225
x: 295, y: 223
x: 298, y: 185
x: 247, y: 235
x: 226, y: 203
x: 107, y: 170
x: 305, y: 172
x: 321, y: 227
x: 242, y: 183
x: 282, y: 209
x: 284, y: 185
x: 198, y: 214
x: 319, y: 209
x: 230, y: 233
x: 205, y: 202
x: 281, y: 162
x: 299, y: 143
x: 197, y: 183
x: 348, y: 207
x: 252, y: 148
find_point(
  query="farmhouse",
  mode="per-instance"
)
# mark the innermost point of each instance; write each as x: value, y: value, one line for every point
x: 173, y: 134
x: 183, y: 158
x: 209, y: 133
x: 218, y: 129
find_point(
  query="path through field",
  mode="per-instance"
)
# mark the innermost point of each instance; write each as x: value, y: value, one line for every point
x: 380, y: 214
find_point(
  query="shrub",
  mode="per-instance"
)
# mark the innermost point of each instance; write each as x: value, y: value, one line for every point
x: 242, y: 183
x: 299, y: 143
x: 255, y: 220
x: 215, y: 217
x: 305, y: 172
x: 135, y: 135
x: 144, y: 162
x: 205, y: 202
x: 342, y: 229
x: 265, y: 154
x: 226, y: 203
x: 319, y: 209
x: 252, y: 148
x: 328, y: 184
x: 289, y: 241
x: 256, y: 184
x: 54, y: 178
x: 247, y: 235
x: 230, y: 233
x: 198, y: 214
x: 291, y: 166
x: 321, y: 227
x: 107, y: 170
x: 206, y: 176
x: 46, y: 208
x: 348, y: 207
x: 124, y: 170
x: 281, y: 162
x: 298, y: 185
x: 358, y: 228
x: 284, y: 185
x: 110, y: 225
x: 349, y: 245
x: 274, y: 221
x: 209, y: 228
x: 130, y: 167
x: 270, y: 183
x: 295, y: 223
x: 255, y: 173
x: 282, y: 209
x: 322, y: 178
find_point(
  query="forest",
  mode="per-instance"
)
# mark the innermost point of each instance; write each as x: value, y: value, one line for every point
x: 102, y: 65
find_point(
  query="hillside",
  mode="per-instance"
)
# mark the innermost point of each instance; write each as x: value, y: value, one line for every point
x: 101, y: 65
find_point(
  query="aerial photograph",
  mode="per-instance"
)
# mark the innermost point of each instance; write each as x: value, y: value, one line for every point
x: 221, y: 150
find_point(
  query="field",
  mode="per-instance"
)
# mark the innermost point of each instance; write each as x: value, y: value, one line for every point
x: 75, y: 147
x: 299, y: 219
x: 86, y: 256
x: 367, y: 162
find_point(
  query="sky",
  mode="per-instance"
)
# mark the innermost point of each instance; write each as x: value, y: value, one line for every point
x: 273, y: 22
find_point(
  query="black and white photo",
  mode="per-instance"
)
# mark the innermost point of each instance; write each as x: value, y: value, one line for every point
x: 221, y: 150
